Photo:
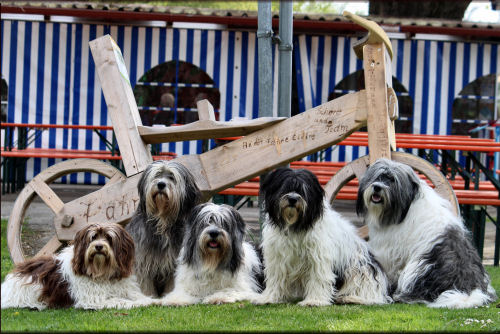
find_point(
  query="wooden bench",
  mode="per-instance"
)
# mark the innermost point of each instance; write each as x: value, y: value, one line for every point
x: 55, y: 153
x: 486, y: 194
x: 13, y: 158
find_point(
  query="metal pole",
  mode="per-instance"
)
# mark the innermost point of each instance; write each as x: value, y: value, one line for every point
x: 285, y: 59
x: 265, y: 61
x: 264, y: 36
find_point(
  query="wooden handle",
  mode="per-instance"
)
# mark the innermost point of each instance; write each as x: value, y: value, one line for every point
x: 375, y: 35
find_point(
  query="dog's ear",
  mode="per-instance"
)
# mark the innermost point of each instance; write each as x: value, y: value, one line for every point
x: 272, y: 181
x: 190, y: 235
x: 360, y: 201
x: 237, y: 240
x: 312, y: 181
x: 238, y: 222
x: 81, y: 244
x: 270, y: 188
x: 123, y: 247
x: 314, y: 195
x: 141, y: 188
x: 411, y: 192
x: 192, y: 194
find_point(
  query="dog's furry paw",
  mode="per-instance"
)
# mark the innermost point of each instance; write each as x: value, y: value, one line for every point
x: 172, y: 301
x: 217, y: 300
x: 263, y: 300
x: 314, y: 302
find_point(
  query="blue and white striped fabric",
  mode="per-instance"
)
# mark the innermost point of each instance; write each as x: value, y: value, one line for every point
x: 52, y: 79
x: 433, y: 72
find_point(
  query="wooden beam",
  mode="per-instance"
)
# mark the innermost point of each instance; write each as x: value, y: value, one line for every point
x: 121, y: 103
x: 379, y: 124
x: 204, y: 129
x: 114, y: 203
x: 47, y: 194
x: 229, y: 164
x: 205, y: 110
x: 50, y: 247
x: 281, y: 143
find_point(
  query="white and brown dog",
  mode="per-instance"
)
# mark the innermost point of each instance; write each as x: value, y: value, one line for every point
x: 93, y: 273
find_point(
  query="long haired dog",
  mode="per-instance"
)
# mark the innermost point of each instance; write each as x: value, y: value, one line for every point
x: 93, y: 273
x: 310, y: 251
x: 168, y: 193
x: 215, y: 265
x: 423, y: 247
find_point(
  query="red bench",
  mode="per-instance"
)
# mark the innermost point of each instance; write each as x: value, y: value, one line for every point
x: 14, y: 179
x: 72, y: 154
x: 485, y: 195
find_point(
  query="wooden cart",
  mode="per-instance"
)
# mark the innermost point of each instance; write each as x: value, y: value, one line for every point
x: 267, y: 144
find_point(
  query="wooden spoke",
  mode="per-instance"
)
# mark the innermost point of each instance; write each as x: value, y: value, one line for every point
x: 46, y: 194
x: 50, y: 247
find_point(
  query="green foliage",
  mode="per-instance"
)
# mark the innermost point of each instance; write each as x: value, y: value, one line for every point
x: 248, y: 317
x: 298, y: 6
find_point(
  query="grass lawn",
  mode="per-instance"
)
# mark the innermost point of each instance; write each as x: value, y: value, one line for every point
x: 247, y: 317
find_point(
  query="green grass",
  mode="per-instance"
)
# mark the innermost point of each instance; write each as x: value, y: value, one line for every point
x: 247, y: 317
x: 7, y: 264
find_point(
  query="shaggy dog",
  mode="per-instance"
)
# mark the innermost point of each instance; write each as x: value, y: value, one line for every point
x: 93, y: 273
x: 215, y: 264
x: 168, y: 193
x: 423, y: 247
x: 310, y: 252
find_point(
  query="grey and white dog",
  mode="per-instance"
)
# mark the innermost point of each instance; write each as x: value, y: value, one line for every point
x: 421, y: 244
x: 168, y: 193
x: 216, y: 265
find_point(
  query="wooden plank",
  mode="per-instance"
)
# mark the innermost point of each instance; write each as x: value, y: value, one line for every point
x: 379, y: 125
x: 281, y: 143
x: 114, y: 203
x: 392, y: 102
x: 229, y: 164
x: 205, y: 110
x: 50, y: 247
x: 205, y: 129
x: 46, y: 194
x: 356, y: 168
x: 376, y: 35
x: 121, y: 103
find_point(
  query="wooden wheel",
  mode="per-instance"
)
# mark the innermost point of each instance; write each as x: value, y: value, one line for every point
x: 358, y: 167
x: 39, y: 186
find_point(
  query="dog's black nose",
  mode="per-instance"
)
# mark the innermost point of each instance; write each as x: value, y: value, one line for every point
x: 213, y: 234
x: 376, y: 188
x: 98, y: 247
x: 161, y: 185
x: 293, y: 198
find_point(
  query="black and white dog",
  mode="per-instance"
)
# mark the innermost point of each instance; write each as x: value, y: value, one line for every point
x: 93, y: 273
x: 168, y: 193
x: 311, y: 252
x: 421, y: 244
x: 215, y: 264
